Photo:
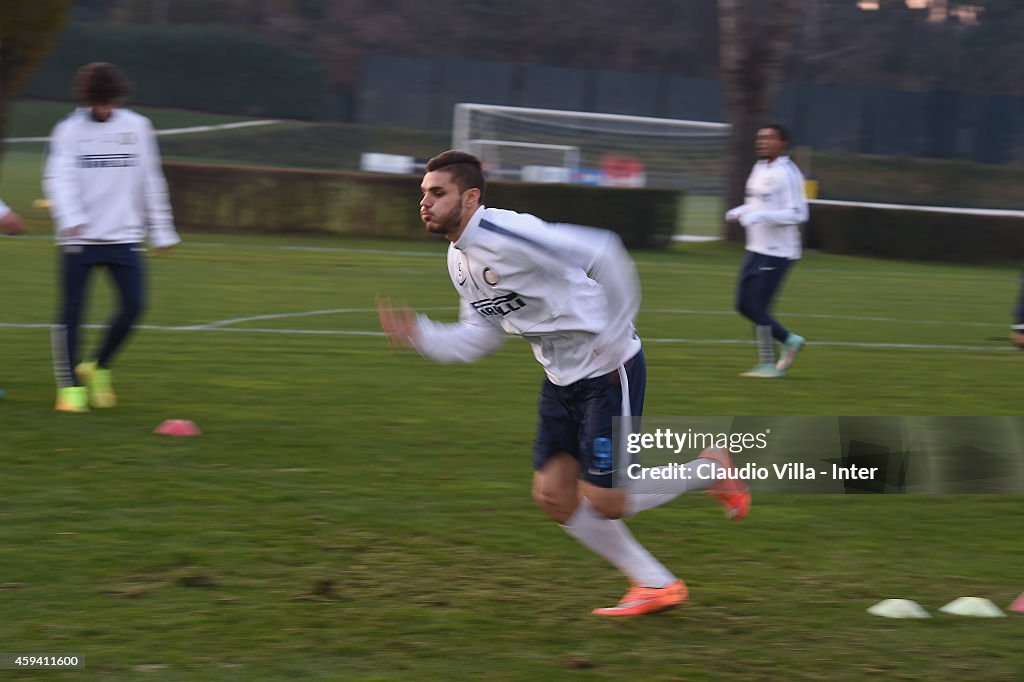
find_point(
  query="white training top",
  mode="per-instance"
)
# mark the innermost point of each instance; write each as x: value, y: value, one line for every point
x: 571, y: 291
x: 775, y: 206
x: 106, y: 178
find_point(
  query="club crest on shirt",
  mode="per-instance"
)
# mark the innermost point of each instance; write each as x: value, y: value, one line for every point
x: 491, y: 277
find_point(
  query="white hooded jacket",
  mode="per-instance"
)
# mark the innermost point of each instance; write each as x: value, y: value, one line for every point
x: 572, y: 292
x: 105, y: 179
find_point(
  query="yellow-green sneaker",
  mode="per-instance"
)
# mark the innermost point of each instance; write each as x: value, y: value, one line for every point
x: 72, y: 399
x: 101, y: 392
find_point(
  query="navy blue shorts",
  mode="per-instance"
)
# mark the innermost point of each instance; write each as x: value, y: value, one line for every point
x: 578, y: 419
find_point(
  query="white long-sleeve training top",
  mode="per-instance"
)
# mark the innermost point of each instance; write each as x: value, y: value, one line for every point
x: 105, y: 177
x: 572, y: 292
x: 776, y: 204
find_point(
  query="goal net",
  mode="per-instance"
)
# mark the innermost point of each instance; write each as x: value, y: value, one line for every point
x: 548, y: 145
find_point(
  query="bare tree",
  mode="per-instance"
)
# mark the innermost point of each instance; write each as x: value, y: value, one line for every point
x: 755, y: 37
x: 28, y: 29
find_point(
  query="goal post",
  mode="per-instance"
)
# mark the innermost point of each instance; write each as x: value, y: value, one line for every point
x: 528, y: 159
x: 594, y: 148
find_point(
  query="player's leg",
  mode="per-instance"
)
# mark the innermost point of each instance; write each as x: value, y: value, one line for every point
x: 619, y: 394
x: 126, y: 270
x: 753, y: 299
x: 749, y: 297
x: 554, y: 486
x: 638, y: 488
x: 74, y: 266
x: 744, y: 302
x: 773, y: 274
x: 556, y: 491
x: 771, y: 287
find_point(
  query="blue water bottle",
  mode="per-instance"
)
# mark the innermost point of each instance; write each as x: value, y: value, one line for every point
x: 602, y: 460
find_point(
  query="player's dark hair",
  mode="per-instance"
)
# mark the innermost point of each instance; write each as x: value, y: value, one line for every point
x: 465, y: 169
x: 782, y: 130
x: 100, y: 83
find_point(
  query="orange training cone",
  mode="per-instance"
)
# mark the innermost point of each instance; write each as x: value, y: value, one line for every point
x: 1018, y: 604
x: 177, y: 427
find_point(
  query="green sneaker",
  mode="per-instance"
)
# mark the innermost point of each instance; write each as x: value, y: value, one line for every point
x: 793, y: 345
x: 101, y: 393
x: 72, y: 399
x: 763, y: 372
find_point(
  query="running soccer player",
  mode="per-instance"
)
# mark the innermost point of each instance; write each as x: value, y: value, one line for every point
x: 106, y: 191
x: 572, y: 292
x: 775, y: 206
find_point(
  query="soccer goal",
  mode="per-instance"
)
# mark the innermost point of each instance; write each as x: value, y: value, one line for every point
x: 579, y: 146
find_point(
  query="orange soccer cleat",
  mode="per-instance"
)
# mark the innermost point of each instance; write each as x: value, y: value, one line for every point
x: 640, y: 600
x: 732, y: 492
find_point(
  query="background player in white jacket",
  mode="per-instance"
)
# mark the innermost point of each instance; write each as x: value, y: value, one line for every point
x: 775, y: 206
x: 573, y: 293
x: 107, y: 193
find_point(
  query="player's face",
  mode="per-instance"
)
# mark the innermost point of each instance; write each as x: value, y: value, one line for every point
x: 769, y: 144
x: 102, y: 112
x: 441, y: 207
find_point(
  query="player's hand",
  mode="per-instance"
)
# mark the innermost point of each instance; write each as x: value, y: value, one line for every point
x: 748, y: 218
x: 734, y: 214
x: 1018, y: 339
x: 12, y: 225
x: 399, y: 323
x: 71, y: 232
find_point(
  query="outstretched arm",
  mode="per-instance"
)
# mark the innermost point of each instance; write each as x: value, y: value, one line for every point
x: 159, y: 219
x: 10, y: 222
x: 469, y: 339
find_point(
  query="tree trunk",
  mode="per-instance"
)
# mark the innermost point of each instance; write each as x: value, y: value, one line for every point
x: 28, y: 29
x: 753, y: 54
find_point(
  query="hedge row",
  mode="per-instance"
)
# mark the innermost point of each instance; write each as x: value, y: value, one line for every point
x: 916, y: 234
x: 237, y: 198
x: 899, y: 180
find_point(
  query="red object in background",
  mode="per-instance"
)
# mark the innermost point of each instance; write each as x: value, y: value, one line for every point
x: 623, y: 171
x: 177, y: 427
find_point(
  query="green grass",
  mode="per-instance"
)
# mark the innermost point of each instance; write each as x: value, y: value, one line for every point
x: 351, y: 513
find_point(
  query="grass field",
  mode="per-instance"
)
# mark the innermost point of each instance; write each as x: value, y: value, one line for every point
x: 351, y: 513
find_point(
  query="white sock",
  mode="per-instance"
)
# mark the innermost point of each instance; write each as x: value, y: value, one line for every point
x: 647, y: 492
x: 611, y: 539
x: 765, y: 345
